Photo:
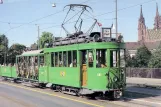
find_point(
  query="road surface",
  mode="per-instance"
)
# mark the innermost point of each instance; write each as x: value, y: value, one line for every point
x: 17, y: 95
x: 12, y: 95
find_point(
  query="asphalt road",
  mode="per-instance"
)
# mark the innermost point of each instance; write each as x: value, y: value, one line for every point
x: 17, y: 95
x: 21, y: 96
x: 26, y: 98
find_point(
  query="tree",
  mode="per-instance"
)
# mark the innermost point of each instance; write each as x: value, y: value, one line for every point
x: 130, y: 61
x: 14, y: 50
x: 143, y: 56
x: 155, y: 60
x: 3, y: 47
x: 46, y: 38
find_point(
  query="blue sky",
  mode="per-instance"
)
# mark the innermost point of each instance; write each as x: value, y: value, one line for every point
x: 19, y: 12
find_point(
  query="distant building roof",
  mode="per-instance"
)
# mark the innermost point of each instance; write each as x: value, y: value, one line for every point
x: 153, y: 34
x: 136, y: 45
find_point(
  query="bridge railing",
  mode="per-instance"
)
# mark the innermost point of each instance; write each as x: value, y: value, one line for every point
x: 144, y: 72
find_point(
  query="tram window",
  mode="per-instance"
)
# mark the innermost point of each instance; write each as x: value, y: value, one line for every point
x: 41, y: 60
x: 29, y: 60
x: 90, y: 58
x: 52, y: 59
x: 69, y: 59
x: 101, y: 58
x: 74, y: 59
x: 122, y: 58
x: 36, y: 61
x: 60, y: 59
x: 65, y: 59
x: 84, y: 57
x: 113, y: 58
x: 56, y: 59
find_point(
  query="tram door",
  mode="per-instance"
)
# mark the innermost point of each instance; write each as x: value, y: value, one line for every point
x: 83, y: 68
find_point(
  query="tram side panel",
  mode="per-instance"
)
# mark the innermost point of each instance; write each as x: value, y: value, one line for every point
x: 0, y: 71
x: 14, y: 73
x: 43, y: 74
x: 63, y: 68
x: 43, y: 69
x: 6, y: 71
x: 64, y: 76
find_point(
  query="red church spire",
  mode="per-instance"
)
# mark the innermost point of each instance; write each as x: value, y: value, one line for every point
x: 141, y: 26
x: 141, y: 12
x: 157, y: 20
x: 141, y: 19
x: 157, y: 12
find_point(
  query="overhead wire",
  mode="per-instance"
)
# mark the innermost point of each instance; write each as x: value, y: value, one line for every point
x: 106, y: 13
x: 125, y: 8
x: 14, y: 23
x: 40, y: 18
x: 87, y: 18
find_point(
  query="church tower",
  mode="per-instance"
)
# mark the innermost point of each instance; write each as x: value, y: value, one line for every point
x: 141, y: 27
x: 157, y: 20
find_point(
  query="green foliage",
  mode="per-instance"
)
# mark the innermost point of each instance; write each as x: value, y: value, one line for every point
x: 155, y: 61
x: 3, y: 47
x: 15, y: 49
x: 46, y: 38
x: 3, y: 40
x: 142, y: 57
x: 130, y: 61
x: 8, y: 55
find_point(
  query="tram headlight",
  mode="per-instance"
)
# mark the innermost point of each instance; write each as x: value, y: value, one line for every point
x: 115, y: 79
x: 122, y: 71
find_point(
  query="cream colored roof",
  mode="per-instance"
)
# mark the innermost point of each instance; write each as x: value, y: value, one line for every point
x: 32, y: 52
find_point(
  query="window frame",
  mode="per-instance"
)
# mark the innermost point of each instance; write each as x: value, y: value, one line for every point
x: 93, y: 55
x: 124, y: 57
x: 106, y: 57
x: 117, y: 58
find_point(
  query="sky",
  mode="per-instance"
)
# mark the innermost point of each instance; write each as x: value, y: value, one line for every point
x: 19, y: 18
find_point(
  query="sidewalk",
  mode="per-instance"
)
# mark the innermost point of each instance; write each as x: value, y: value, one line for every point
x: 143, y: 81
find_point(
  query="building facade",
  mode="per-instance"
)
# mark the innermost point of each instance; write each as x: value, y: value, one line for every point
x: 149, y: 37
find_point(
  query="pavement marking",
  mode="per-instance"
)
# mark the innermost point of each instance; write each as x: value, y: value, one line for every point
x: 52, y: 94
x: 143, y: 101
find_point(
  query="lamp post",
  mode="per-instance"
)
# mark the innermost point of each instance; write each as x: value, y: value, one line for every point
x: 53, y: 5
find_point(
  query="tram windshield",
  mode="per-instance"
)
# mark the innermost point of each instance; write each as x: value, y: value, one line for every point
x: 122, y: 58
x: 116, y: 57
x: 113, y: 58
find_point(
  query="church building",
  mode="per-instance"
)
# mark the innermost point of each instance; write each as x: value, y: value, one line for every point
x: 151, y: 38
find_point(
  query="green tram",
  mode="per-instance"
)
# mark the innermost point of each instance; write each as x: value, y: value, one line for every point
x: 88, y: 68
x: 90, y: 63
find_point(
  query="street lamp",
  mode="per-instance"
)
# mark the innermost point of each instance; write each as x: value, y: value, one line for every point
x: 53, y: 5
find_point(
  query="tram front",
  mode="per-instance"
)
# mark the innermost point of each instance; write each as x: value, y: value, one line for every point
x: 116, y: 77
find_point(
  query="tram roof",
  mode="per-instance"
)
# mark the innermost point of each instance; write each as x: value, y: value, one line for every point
x: 32, y: 53
x: 86, y: 46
